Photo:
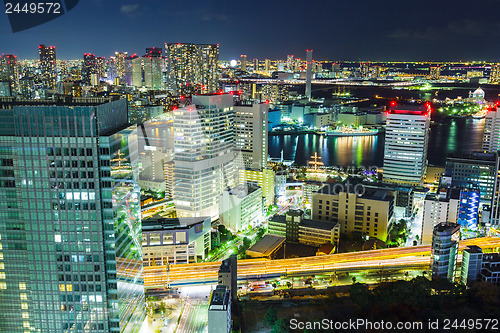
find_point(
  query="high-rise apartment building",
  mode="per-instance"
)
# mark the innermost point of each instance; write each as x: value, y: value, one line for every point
x: 495, y: 74
x: 209, y: 67
x: 444, y: 251
x: 89, y: 67
x: 120, y: 63
x: 406, y: 141
x: 290, y: 63
x: 70, y: 251
x: 133, y: 71
x: 250, y: 135
x: 9, y: 71
x: 204, y: 153
x: 192, y: 68
x: 48, y: 65
x: 435, y: 73
x: 243, y: 62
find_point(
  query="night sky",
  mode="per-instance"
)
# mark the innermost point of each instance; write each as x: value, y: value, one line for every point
x: 335, y: 30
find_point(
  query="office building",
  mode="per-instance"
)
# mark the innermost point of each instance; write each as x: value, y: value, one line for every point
x: 70, y: 230
x: 472, y: 261
x: 495, y: 74
x: 133, y: 71
x: 491, y: 136
x: 203, y: 154
x: 296, y: 229
x: 243, y: 62
x: 9, y: 71
x: 175, y: 240
x: 439, y: 207
x: 477, y: 168
x: 251, y: 135
x: 152, y: 67
x: 368, y: 211
x: 219, y: 310
x: 406, y: 141
x: 241, y: 207
x: 444, y: 251
x: 255, y: 65
x: 264, y: 178
x: 48, y: 65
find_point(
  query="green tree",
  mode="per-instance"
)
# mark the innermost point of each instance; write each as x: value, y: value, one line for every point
x: 271, y: 316
x: 281, y: 326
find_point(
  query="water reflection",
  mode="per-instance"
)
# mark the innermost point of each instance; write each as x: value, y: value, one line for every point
x: 457, y: 136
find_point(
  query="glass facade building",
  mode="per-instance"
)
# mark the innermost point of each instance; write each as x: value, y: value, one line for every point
x: 70, y: 228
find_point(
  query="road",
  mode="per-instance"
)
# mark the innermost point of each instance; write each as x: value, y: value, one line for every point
x: 155, y: 276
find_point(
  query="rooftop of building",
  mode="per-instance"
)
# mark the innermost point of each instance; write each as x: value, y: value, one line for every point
x: 356, y: 185
x: 491, y: 257
x: 409, y: 109
x: 267, y: 245
x: 474, y: 157
x: 220, y: 296
x: 158, y: 222
x: 242, y: 190
x: 447, y: 227
x: 473, y: 249
x: 58, y: 100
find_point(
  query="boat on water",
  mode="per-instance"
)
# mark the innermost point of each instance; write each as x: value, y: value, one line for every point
x: 351, y: 131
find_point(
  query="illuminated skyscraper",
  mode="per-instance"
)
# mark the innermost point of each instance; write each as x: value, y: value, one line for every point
x: 133, y: 71
x: 70, y: 232
x: 435, y: 73
x: 152, y: 66
x: 267, y: 65
x: 491, y: 135
x: 48, y: 65
x: 182, y: 67
x: 209, y: 67
x: 406, y: 141
x: 290, y: 63
x: 120, y: 63
x: 192, y: 68
x: 204, y: 154
x: 255, y: 65
x: 250, y: 132
x: 89, y: 67
x: 243, y: 62
x: 9, y: 71
x: 495, y: 74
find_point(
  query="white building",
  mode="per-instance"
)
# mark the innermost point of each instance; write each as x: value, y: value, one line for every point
x: 176, y: 241
x: 241, y: 207
x: 439, y: 207
x: 491, y: 136
x: 204, y: 153
x: 250, y: 132
x: 219, y: 310
x: 406, y: 140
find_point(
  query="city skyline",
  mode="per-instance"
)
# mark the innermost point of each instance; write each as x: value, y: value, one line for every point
x: 359, y: 30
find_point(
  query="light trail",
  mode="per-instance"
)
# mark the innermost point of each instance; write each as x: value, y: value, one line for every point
x: 155, y: 276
